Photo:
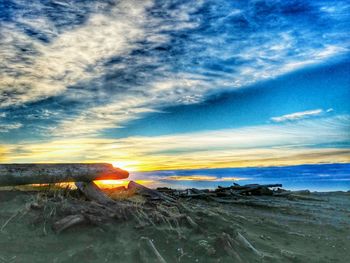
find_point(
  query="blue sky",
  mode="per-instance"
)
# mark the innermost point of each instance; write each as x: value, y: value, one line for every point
x: 101, y: 80
x: 256, y: 104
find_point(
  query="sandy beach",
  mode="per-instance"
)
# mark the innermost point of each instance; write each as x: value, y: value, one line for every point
x: 268, y: 229
x: 172, y: 131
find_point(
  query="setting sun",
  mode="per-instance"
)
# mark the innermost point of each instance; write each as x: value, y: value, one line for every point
x: 125, y: 165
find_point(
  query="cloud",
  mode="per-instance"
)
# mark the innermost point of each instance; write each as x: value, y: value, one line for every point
x: 300, y: 115
x: 107, y: 63
x: 71, y: 57
x: 9, y: 126
x: 307, y: 141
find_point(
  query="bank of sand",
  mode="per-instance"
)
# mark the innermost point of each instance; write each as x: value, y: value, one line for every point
x: 281, y: 230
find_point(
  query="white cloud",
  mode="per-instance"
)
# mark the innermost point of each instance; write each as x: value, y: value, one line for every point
x: 300, y: 115
x: 53, y: 67
x: 77, y: 56
x: 9, y: 126
x: 286, y: 143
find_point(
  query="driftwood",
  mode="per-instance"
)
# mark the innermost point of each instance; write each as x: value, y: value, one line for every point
x: 249, y: 189
x: 235, y: 194
x: 67, y: 222
x: 93, y: 193
x: 21, y: 174
x: 147, y: 192
x: 224, y: 194
x: 98, y: 210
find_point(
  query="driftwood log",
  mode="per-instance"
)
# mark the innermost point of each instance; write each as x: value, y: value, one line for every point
x: 93, y: 193
x: 147, y: 192
x: 21, y: 174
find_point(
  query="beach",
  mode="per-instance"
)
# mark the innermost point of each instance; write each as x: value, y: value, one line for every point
x: 173, y: 131
x: 275, y: 229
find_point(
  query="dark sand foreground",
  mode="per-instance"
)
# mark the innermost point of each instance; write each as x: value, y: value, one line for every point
x: 275, y: 229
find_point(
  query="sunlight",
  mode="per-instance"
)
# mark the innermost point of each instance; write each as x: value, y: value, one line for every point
x: 125, y: 165
x: 108, y: 184
x: 111, y: 183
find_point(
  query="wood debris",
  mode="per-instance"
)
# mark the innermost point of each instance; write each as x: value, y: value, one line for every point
x: 223, y: 194
x: 22, y: 174
x: 161, y: 205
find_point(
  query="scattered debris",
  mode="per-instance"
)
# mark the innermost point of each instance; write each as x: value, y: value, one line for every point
x: 237, y: 194
x: 161, y: 206
x: 165, y: 216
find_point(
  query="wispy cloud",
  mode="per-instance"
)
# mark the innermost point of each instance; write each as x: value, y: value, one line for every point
x: 300, y: 115
x: 310, y: 141
x: 112, y: 62
x: 9, y: 126
x: 48, y: 69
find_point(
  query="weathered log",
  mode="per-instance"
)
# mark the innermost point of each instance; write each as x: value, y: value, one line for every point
x: 263, y: 185
x: 194, y: 193
x: 147, y: 192
x: 21, y: 174
x: 93, y: 193
x: 259, y: 189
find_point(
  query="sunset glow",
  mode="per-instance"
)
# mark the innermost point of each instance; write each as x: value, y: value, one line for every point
x: 126, y: 165
x: 174, y: 131
x: 105, y: 184
x: 181, y: 85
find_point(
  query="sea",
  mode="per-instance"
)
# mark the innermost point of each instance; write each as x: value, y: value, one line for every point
x: 315, y: 177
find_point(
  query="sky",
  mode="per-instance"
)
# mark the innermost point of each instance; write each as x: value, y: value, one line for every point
x: 166, y: 85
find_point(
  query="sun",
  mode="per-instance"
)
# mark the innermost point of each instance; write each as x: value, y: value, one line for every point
x: 125, y: 165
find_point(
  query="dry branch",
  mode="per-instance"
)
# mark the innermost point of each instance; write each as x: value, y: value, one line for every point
x: 152, y: 248
x: 67, y: 222
x: 245, y: 243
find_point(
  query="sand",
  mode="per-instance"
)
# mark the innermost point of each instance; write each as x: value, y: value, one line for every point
x: 279, y: 230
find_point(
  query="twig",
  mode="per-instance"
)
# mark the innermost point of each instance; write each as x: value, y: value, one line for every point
x: 155, y: 251
x: 247, y: 244
x: 8, y: 221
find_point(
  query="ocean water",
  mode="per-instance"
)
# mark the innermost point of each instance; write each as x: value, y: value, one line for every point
x: 320, y: 177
